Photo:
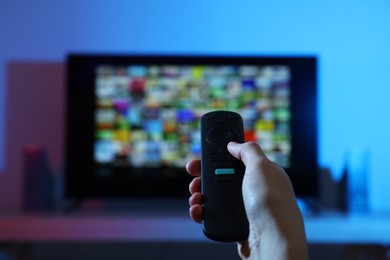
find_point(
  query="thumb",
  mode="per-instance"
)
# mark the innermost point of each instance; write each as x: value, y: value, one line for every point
x: 246, y: 152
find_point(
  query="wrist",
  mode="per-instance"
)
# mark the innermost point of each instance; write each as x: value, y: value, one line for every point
x: 275, y: 242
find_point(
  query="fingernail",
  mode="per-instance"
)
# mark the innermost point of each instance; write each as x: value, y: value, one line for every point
x: 232, y: 143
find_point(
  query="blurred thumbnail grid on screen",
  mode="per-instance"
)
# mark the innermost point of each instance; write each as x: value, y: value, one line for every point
x: 148, y: 116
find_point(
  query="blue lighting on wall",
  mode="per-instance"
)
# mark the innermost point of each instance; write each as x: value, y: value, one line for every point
x: 350, y: 38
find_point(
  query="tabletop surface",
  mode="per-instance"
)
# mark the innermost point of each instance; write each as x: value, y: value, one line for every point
x: 321, y: 228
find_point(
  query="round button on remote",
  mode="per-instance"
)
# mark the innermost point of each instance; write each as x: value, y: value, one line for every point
x: 221, y: 135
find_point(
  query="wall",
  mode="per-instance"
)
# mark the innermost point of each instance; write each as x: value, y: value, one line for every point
x: 351, y: 38
x: 34, y: 116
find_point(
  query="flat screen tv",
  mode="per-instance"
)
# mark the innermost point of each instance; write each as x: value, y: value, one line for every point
x: 133, y: 120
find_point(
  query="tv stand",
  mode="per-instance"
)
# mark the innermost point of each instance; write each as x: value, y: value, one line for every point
x: 131, y: 207
x: 151, y: 231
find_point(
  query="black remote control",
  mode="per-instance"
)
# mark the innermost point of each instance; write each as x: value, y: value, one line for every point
x: 224, y: 216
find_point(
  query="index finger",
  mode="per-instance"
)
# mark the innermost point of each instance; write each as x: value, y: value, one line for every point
x: 193, y: 168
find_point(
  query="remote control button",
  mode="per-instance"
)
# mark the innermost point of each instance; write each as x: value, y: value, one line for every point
x: 224, y: 171
x: 209, y: 117
x: 221, y: 120
x: 221, y: 135
x: 233, y: 116
x: 224, y: 174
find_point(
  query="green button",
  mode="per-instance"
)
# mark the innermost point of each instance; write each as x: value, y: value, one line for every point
x: 224, y: 171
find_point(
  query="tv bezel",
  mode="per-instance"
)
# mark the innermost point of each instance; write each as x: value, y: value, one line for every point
x: 80, y: 179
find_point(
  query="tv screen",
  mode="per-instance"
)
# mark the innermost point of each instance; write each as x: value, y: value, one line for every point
x: 133, y: 121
